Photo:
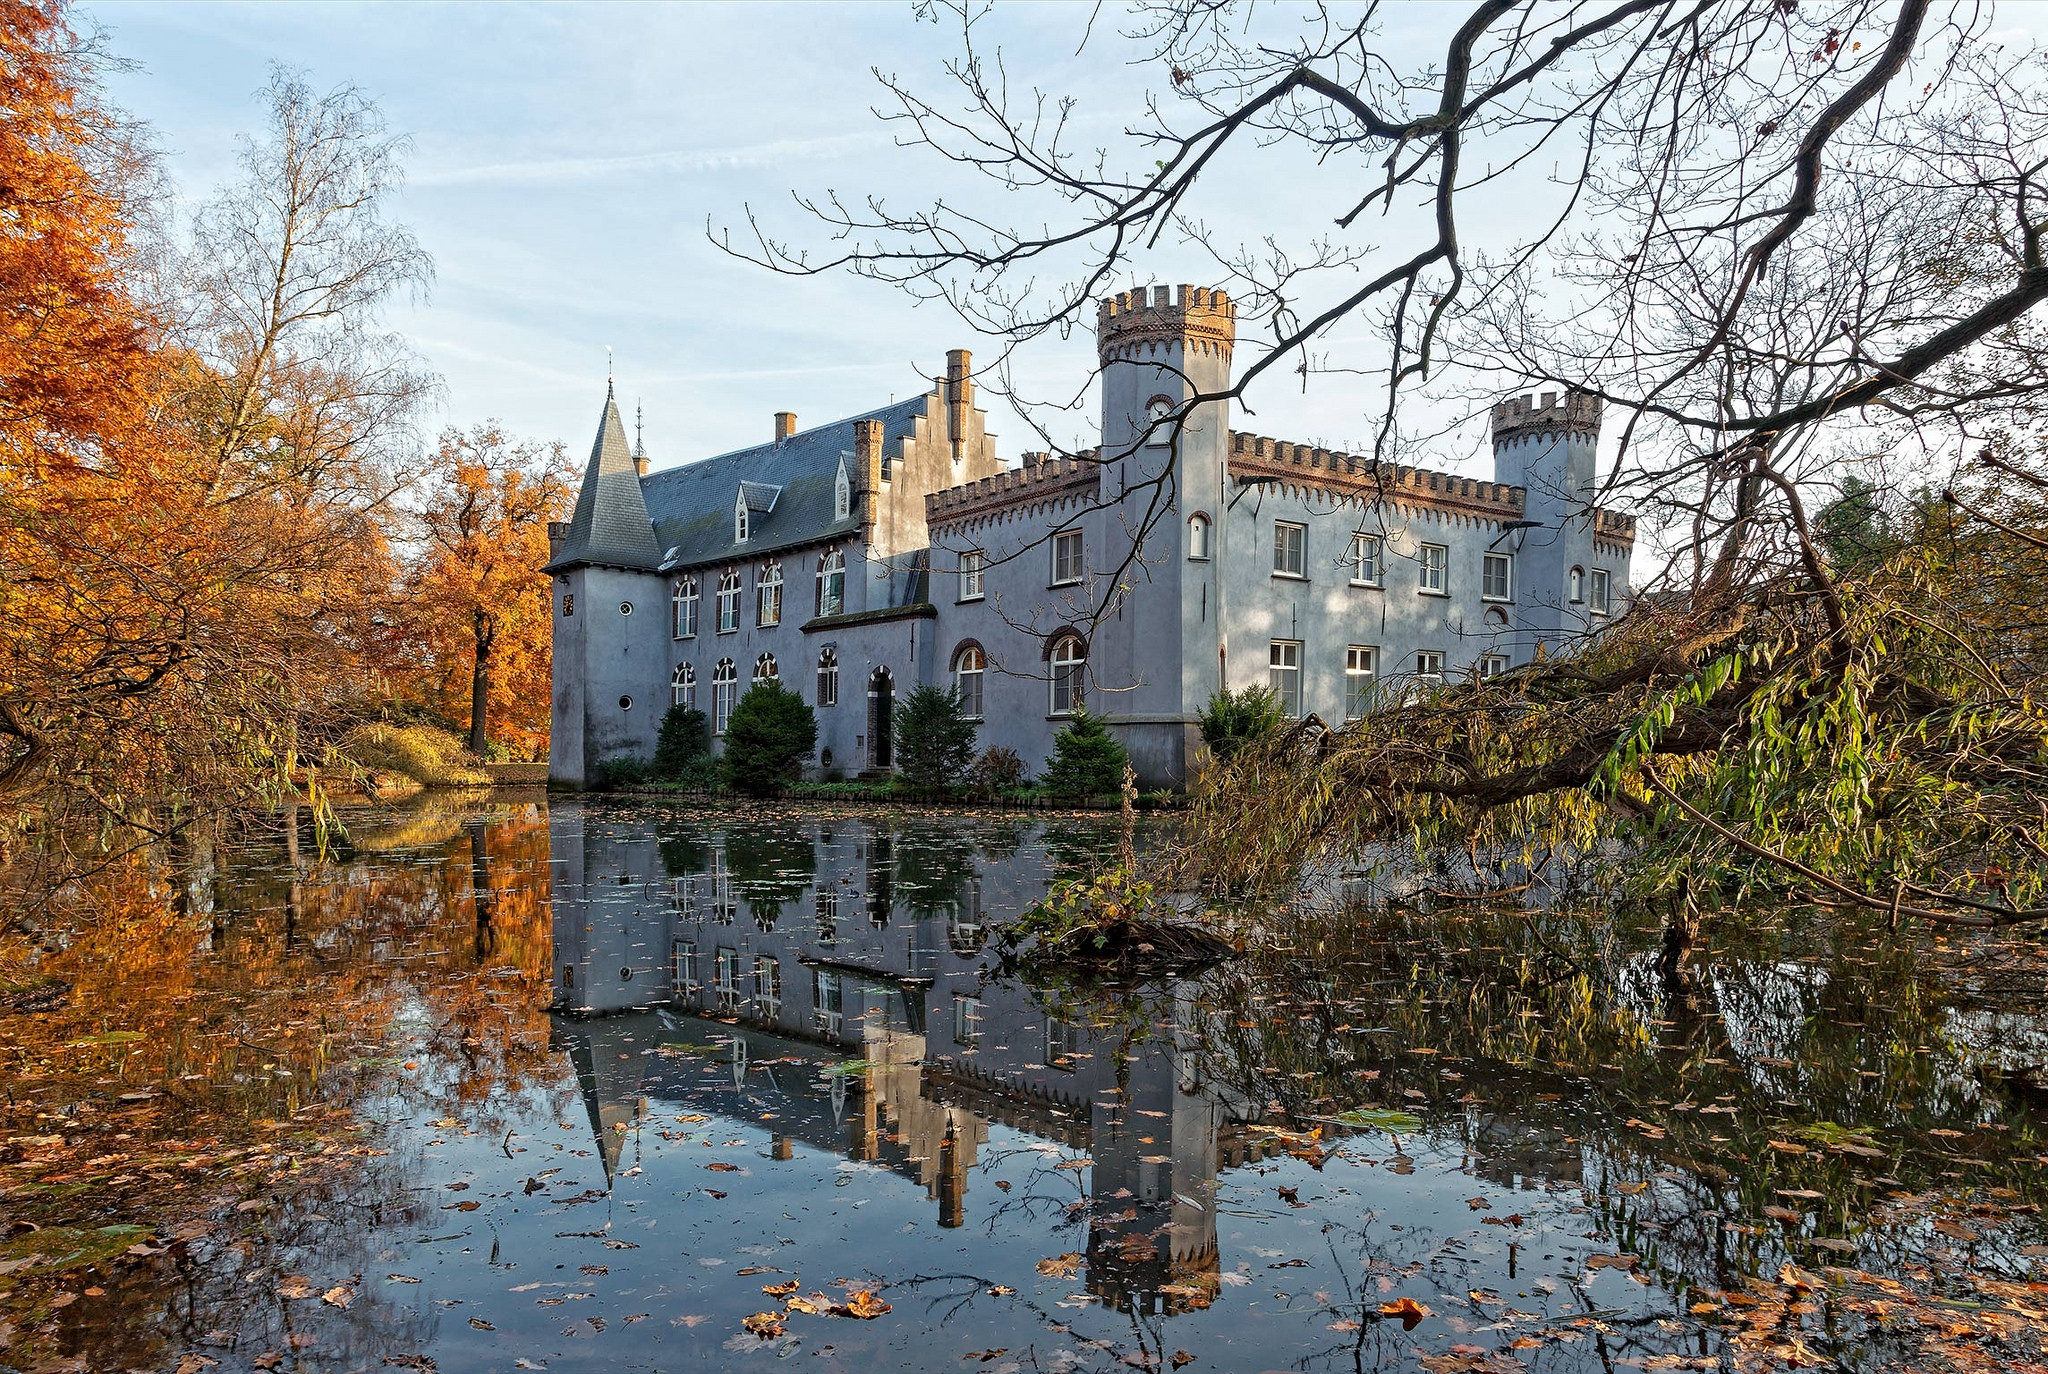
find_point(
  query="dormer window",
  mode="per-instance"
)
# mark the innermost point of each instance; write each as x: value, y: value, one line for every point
x: 739, y: 519
x: 842, y: 494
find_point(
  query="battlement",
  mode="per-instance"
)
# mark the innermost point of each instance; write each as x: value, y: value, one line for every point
x: 1542, y: 414
x: 1349, y: 474
x: 1041, y: 478
x: 1197, y: 316
x: 1608, y: 524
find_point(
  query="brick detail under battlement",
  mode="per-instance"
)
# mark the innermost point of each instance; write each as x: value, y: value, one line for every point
x: 1040, y: 479
x: 1130, y: 323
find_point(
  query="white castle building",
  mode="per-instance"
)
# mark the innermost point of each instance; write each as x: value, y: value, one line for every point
x: 860, y: 558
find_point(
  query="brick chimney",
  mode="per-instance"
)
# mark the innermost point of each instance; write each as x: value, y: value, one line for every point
x: 959, y: 397
x: 558, y: 534
x: 785, y: 424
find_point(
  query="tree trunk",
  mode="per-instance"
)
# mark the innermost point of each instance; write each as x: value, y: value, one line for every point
x: 1680, y: 930
x: 480, y: 687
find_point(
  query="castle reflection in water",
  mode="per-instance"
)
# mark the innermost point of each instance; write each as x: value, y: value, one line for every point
x: 825, y: 977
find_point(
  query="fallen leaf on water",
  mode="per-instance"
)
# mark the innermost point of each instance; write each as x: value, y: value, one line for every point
x: 480, y: 1324
x: 721, y: 1167
x: 1000, y: 1290
x: 780, y: 1290
x: 862, y: 1304
x: 766, y: 1325
x: 192, y: 1364
x: 294, y: 1286
x: 1181, y: 1357
x: 1345, y: 1325
x: 816, y: 1305
x: 1061, y: 1266
x: 341, y: 1295
x: 400, y: 1278
x: 466, y: 1205
x: 269, y: 1359
x: 1524, y: 1343
x: 1407, y: 1309
x: 1610, y: 1262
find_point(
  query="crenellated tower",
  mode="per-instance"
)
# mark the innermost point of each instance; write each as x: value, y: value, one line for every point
x: 1546, y: 444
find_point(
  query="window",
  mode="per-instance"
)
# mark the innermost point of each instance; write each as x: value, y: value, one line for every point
x: 1062, y: 1044
x: 968, y: 664
x: 683, y: 967
x: 828, y: 914
x: 842, y: 494
x: 1364, y: 559
x: 1601, y: 604
x: 625, y: 608
x: 1285, y: 674
x: 966, y: 1021
x: 1575, y: 586
x: 832, y: 583
x: 1361, y: 666
x: 725, y: 970
x: 1198, y: 538
x: 1434, y: 562
x: 1066, y: 557
x: 767, y: 986
x: 725, y: 681
x: 828, y: 677
x: 569, y: 603
x: 1069, y: 660
x: 1496, y: 577
x: 728, y: 603
x: 828, y: 1002
x: 1492, y: 665
x: 768, y: 593
x: 683, y: 610
x: 684, y: 685
x: 740, y: 521
x: 765, y: 669
x: 625, y: 703
x: 1159, y: 422
x: 1429, y: 665
x: 1290, y: 549
x: 970, y: 575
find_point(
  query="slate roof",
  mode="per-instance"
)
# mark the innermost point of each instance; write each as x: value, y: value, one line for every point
x: 610, y: 525
x: 692, y: 505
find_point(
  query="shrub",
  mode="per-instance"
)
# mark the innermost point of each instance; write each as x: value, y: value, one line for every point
x: 621, y: 770
x: 1086, y: 760
x: 1232, y: 720
x: 428, y: 754
x: 684, y: 740
x: 997, y: 771
x: 770, y: 733
x: 934, y: 740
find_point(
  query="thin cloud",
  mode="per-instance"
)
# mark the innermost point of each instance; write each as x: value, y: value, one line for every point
x: 685, y: 161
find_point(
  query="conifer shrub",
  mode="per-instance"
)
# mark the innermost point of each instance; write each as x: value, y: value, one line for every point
x: 1086, y: 760
x: 621, y: 770
x: 1231, y: 720
x: 769, y: 735
x: 682, y: 752
x: 934, y: 740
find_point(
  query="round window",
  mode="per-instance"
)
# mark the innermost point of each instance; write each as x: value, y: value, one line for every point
x: 625, y: 975
x: 625, y: 608
x: 625, y: 703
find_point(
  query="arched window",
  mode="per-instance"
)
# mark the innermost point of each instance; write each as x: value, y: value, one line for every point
x: 684, y: 684
x: 1069, y: 660
x: 728, y: 603
x: 725, y: 682
x: 683, y: 609
x: 842, y: 494
x: 739, y: 519
x: 1496, y: 618
x: 832, y: 583
x: 765, y: 669
x: 828, y: 677
x: 968, y: 663
x: 1198, y: 538
x: 1575, y: 586
x: 768, y: 592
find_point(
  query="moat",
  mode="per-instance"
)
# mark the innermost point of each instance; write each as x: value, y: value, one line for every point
x: 592, y: 1085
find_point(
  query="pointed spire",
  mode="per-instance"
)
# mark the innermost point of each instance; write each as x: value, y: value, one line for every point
x: 610, y: 524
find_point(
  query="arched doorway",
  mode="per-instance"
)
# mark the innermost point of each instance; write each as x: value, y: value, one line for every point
x: 881, y: 719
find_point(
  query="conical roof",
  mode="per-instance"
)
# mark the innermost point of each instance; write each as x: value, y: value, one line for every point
x: 610, y: 525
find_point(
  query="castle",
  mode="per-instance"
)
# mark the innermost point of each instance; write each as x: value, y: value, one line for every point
x: 861, y: 558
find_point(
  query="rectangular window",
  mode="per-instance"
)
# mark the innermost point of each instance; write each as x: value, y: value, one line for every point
x: 1290, y: 549
x: 729, y: 604
x: 684, y: 974
x: 1434, y: 562
x: 685, y: 604
x: 725, y: 969
x: 1365, y: 560
x: 1429, y: 666
x: 1361, y: 667
x: 967, y: 1021
x: 1492, y: 665
x: 828, y: 1004
x: 1285, y: 674
x: 970, y: 576
x: 768, y: 594
x: 1601, y: 604
x: 1066, y: 557
x: 1062, y: 1045
x: 569, y: 603
x: 1496, y: 578
x: 767, y: 986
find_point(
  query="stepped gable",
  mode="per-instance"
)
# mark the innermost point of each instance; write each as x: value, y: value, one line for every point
x: 1361, y: 478
x: 788, y: 484
x: 610, y: 526
x: 1042, y: 478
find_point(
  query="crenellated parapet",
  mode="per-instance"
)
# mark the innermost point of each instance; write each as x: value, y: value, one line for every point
x: 1362, y: 478
x: 1614, y: 528
x: 1542, y: 414
x: 1041, y: 479
x: 1133, y: 325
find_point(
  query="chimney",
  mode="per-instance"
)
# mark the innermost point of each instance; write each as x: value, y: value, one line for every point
x: 641, y: 463
x: 959, y: 396
x: 558, y: 534
x: 869, y: 469
x: 785, y: 424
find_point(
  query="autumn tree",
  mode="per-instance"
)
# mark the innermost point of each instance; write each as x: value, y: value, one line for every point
x: 477, y: 609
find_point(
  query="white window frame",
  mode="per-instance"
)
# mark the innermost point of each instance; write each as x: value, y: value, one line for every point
x: 725, y: 976
x: 1069, y: 558
x: 832, y: 583
x: 1493, y: 665
x: 969, y: 663
x: 725, y: 693
x: 1159, y: 422
x: 1290, y: 547
x: 740, y: 519
x: 1433, y: 569
x: 768, y: 997
x: 1575, y: 586
x: 828, y: 1002
x: 1283, y: 674
x: 683, y: 971
x: 682, y: 617
x: 683, y: 686
x: 1068, y: 676
x: 972, y: 564
x: 1366, y: 559
x: 967, y: 1020
x: 828, y: 677
x: 768, y: 593
x: 765, y: 670
x: 1488, y: 564
x: 1361, y: 674
x: 1600, y: 591
x: 729, y: 602
x: 1198, y: 538
x: 1429, y: 665
x: 842, y: 494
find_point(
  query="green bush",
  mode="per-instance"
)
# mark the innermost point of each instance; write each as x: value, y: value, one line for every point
x: 996, y: 772
x: 770, y: 734
x: 621, y: 770
x: 685, y: 739
x: 934, y: 740
x: 1232, y: 720
x: 1086, y: 760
